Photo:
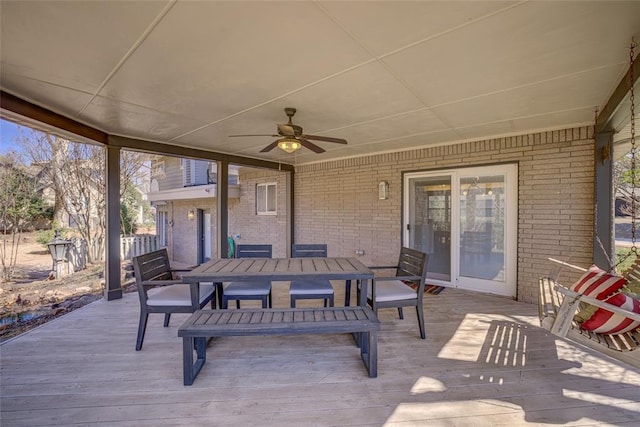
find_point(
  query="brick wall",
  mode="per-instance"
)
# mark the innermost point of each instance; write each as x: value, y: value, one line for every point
x: 243, y: 220
x: 182, y: 237
x: 336, y: 202
x: 254, y: 228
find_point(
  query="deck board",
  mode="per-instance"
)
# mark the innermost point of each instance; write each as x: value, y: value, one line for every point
x: 484, y: 362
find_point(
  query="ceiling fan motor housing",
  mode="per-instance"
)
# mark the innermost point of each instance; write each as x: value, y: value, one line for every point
x: 289, y: 130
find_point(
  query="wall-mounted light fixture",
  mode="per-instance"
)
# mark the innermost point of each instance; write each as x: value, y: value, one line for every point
x: 191, y: 214
x: 383, y: 190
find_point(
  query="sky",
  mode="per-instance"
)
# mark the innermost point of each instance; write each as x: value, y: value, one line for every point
x: 8, y: 133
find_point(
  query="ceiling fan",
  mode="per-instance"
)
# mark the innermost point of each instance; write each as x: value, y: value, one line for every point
x: 291, y: 137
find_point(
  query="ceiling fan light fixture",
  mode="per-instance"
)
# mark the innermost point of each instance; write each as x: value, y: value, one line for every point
x: 289, y: 145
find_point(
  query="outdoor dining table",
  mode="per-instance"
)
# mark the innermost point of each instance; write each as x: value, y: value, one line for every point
x: 207, y: 324
x: 281, y: 269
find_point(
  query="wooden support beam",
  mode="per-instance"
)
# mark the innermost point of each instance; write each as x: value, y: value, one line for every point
x: 290, y: 203
x: 615, y: 113
x: 194, y: 153
x: 36, y: 113
x: 603, y: 239
x: 112, y: 275
x: 222, y: 209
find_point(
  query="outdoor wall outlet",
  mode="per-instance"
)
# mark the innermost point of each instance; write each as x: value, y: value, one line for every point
x: 360, y: 252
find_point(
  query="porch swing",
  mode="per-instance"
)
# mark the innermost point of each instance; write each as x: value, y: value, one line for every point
x: 598, y: 310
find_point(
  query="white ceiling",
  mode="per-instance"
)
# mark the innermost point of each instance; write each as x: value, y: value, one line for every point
x: 386, y: 76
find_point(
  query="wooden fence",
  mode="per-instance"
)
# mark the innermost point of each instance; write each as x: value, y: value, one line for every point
x: 130, y: 246
x: 137, y: 245
x: 77, y: 254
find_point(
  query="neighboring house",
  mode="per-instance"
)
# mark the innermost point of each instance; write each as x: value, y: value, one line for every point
x: 45, y: 191
x: 183, y: 193
x: 81, y: 200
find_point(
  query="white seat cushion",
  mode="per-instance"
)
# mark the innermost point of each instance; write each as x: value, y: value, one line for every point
x: 247, y: 288
x: 392, y: 290
x: 311, y: 287
x: 179, y: 294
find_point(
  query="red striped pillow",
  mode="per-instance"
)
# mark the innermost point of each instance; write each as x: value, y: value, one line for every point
x: 605, y: 322
x: 598, y: 283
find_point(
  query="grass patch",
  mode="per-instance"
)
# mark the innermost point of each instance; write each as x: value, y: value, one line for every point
x: 624, y: 254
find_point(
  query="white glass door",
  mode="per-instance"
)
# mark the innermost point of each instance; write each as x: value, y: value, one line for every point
x: 429, y: 224
x: 207, y: 236
x: 204, y: 235
x: 466, y: 220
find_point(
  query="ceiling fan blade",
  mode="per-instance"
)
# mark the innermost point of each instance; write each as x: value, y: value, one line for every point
x: 273, y: 136
x: 311, y: 146
x: 270, y: 147
x: 326, y: 139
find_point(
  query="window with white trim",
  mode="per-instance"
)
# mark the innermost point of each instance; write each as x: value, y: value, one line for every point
x: 266, y: 198
x: 194, y: 172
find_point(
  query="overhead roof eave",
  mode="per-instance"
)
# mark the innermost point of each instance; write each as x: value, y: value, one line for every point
x: 24, y: 112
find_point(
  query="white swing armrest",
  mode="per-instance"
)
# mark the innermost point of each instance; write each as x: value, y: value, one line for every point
x: 602, y: 304
x: 566, y: 264
x: 571, y: 303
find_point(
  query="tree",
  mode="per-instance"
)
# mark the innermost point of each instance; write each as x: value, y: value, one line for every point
x: 20, y: 205
x: 625, y: 183
x: 76, y: 172
x: 128, y: 207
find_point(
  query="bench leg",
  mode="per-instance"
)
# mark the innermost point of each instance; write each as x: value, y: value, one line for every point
x: 191, y: 369
x: 357, y: 337
x: 219, y: 291
x: 373, y: 354
x: 347, y: 293
x: 369, y: 352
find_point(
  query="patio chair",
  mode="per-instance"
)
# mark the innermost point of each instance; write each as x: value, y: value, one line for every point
x: 161, y: 291
x: 310, y: 289
x: 249, y: 290
x: 404, y: 289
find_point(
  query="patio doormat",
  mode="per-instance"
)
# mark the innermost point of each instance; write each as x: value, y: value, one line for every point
x: 431, y: 289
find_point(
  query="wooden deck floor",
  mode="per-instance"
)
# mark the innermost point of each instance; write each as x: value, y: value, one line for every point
x: 484, y: 363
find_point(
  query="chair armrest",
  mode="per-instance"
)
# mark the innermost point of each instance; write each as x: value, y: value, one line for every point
x: 155, y: 283
x: 177, y: 272
x: 411, y: 278
x: 383, y: 267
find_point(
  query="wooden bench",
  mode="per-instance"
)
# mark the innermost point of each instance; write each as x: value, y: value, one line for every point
x: 205, y: 324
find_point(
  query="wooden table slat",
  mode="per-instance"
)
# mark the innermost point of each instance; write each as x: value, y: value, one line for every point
x: 278, y: 269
